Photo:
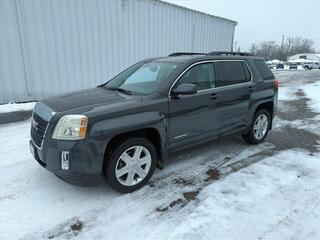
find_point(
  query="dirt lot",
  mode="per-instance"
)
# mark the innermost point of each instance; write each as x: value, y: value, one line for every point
x: 223, y: 190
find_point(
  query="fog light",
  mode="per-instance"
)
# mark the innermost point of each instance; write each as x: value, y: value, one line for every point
x: 64, y: 160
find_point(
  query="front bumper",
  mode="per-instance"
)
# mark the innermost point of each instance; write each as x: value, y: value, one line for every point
x: 85, y: 165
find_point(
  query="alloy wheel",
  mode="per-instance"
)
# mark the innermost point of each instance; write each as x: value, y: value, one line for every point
x: 260, y: 126
x: 133, y: 165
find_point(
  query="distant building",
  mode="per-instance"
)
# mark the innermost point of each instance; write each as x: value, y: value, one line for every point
x: 307, y: 56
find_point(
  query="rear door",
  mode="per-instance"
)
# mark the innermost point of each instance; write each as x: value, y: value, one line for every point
x: 233, y: 88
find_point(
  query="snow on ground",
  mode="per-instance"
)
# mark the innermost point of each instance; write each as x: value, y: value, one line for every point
x: 223, y: 190
x: 15, y: 107
x: 313, y: 92
x: 287, y: 94
x: 30, y: 195
x: 277, y: 198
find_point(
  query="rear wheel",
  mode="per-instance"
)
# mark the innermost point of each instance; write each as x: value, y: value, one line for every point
x: 131, y: 165
x: 259, y: 127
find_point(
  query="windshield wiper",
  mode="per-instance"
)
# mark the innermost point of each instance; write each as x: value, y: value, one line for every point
x: 119, y: 89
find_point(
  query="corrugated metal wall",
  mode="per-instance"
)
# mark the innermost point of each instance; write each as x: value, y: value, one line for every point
x: 51, y: 47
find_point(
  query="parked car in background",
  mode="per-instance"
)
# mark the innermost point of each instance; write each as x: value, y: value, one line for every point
x: 311, y: 65
x: 280, y: 66
x: 293, y: 66
x: 124, y: 128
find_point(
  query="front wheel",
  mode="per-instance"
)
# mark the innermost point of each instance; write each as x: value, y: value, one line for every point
x: 131, y: 165
x: 259, y: 127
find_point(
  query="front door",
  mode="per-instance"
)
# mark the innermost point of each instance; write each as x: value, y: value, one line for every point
x: 192, y: 117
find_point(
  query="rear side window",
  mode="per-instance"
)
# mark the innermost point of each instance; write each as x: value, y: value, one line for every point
x: 246, y: 72
x: 263, y: 69
x: 230, y: 73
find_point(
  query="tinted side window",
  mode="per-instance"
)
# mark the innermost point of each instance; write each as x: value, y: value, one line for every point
x: 229, y: 73
x: 263, y: 69
x: 246, y: 72
x: 202, y: 75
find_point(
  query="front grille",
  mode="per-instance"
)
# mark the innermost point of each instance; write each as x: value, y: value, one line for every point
x: 38, y: 129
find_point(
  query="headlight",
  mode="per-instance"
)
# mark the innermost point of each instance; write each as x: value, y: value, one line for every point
x: 71, y: 127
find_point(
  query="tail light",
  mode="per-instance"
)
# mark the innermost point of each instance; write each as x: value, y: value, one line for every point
x: 276, y: 85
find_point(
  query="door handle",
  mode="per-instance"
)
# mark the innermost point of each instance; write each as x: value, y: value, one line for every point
x: 214, y: 96
x: 251, y: 88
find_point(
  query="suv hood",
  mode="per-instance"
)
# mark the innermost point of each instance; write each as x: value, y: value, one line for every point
x: 84, y: 98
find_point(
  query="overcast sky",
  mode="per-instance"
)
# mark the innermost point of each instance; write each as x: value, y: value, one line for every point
x: 262, y: 20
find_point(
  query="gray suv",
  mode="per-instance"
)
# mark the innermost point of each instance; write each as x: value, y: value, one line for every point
x: 124, y: 128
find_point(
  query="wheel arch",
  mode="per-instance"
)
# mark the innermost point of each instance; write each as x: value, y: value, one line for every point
x: 152, y: 134
x: 269, y: 106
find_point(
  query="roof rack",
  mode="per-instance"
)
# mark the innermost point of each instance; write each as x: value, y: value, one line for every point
x: 230, y: 53
x: 214, y: 53
x: 184, y: 53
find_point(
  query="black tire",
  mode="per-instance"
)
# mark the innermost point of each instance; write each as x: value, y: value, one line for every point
x: 250, y: 136
x: 113, y: 160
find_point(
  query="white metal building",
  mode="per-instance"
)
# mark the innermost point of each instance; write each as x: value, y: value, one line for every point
x: 51, y: 47
x: 307, y: 56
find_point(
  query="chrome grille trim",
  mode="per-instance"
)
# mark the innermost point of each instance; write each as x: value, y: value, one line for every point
x: 38, y: 135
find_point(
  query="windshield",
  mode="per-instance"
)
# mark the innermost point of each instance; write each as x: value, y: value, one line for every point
x: 142, y: 79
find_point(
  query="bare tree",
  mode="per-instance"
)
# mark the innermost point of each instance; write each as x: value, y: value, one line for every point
x: 291, y: 46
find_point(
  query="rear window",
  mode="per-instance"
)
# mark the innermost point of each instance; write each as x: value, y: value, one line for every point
x: 263, y: 69
x: 230, y: 73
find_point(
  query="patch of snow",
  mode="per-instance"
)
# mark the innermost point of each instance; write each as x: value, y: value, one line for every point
x: 14, y: 143
x: 313, y: 92
x: 311, y: 125
x: 287, y: 94
x: 31, y: 197
x: 16, y: 107
x: 277, y: 198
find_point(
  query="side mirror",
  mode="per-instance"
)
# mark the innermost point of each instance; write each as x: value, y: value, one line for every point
x: 184, y: 89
